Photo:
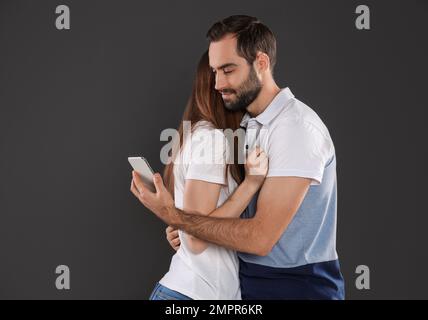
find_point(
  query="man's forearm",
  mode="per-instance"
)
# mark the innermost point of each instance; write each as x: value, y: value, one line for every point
x: 237, y: 234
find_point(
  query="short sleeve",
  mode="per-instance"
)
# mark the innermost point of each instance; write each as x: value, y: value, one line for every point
x: 298, y: 149
x: 206, y: 159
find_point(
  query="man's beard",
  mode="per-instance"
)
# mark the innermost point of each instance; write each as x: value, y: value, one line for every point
x: 245, y: 94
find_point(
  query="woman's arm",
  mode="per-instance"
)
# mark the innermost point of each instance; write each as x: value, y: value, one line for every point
x: 256, y: 167
x: 238, y: 201
x: 200, y: 197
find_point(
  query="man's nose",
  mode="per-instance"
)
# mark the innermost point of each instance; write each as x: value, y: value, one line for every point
x: 220, y: 82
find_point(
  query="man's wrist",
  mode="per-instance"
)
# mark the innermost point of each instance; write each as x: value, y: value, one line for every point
x: 175, y: 215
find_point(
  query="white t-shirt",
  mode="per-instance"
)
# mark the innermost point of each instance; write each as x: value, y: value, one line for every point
x: 212, y: 274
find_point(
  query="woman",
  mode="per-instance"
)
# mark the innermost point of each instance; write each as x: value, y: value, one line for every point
x: 202, y: 270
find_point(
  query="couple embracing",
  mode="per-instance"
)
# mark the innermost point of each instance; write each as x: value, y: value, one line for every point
x: 263, y: 228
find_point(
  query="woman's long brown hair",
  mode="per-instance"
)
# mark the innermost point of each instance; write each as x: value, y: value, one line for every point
x: 205, y: 103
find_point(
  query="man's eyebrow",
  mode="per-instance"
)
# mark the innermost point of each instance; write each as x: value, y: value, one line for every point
x: 226, y: 65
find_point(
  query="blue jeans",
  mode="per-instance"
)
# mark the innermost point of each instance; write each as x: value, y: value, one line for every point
x: 163, y: 293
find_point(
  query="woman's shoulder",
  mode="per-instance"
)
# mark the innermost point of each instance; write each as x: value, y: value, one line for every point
x: 203, y: 125
x: 205, y: 135
x: 206, y: 128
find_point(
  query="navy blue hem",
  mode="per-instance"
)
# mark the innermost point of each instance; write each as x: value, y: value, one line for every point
x: 316, y: 281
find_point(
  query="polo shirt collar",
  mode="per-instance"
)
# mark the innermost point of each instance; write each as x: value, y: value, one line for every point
x: 273, y: 109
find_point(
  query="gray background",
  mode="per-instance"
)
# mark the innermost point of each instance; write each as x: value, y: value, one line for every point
x: 74, y: 104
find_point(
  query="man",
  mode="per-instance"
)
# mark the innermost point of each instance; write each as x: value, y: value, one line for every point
x: 287, y: 238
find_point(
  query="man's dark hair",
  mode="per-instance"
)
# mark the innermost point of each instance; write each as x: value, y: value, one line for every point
x: 251, y: 34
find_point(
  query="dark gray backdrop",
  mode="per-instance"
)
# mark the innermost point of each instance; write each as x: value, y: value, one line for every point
x: 74, y: 104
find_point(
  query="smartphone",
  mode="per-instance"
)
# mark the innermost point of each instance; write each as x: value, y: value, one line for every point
x: 142, y: 167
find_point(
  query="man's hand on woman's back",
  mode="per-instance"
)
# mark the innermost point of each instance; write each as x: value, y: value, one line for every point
x: 172, y: 237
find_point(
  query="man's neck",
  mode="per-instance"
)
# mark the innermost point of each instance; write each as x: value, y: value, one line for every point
x: 265, y: 97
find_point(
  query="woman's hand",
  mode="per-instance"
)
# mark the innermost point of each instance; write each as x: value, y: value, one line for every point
x: 160, y: 203
x: 172, y: 237
x: 256, y: 167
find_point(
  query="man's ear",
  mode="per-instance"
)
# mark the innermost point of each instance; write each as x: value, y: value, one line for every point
x: 262, y: 62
